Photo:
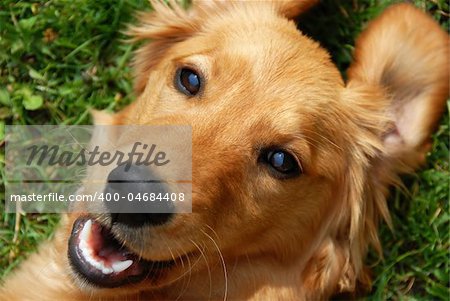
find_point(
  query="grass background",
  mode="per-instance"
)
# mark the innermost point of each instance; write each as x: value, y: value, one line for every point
x: 60, y: 58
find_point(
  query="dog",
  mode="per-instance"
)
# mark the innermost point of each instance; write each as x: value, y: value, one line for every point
x: 291, y: 164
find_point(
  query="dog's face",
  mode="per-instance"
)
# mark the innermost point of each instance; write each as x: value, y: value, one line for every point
x: 281, y: 149
x: 257, y: 156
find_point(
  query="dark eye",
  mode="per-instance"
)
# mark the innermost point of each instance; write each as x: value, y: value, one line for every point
x: 282, y: 163
x: 188, y: 81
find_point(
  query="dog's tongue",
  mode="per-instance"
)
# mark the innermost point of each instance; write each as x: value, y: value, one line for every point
x: 99, y: 257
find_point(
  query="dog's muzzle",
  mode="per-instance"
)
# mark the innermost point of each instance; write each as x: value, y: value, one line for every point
x: 98, y: 257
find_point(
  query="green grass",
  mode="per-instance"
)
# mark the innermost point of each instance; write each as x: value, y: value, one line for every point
x: 60, y: 58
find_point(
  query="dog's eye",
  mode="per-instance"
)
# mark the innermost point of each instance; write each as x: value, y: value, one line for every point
x: 282, y: 163
x: 188, y: 81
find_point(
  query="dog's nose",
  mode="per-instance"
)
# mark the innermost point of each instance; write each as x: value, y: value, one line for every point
x: 130, y: 185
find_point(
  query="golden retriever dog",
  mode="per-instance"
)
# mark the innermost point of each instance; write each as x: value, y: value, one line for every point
x: 291, y: 164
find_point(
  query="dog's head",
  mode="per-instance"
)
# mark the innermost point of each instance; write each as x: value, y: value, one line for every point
x: 289, y: 162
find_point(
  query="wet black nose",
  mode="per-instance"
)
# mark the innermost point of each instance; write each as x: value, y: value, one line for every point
x: 131, y: 197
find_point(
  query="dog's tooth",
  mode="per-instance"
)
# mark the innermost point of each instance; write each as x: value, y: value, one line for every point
x: 84, y: 237
x: 120, y: 266
x: 106, y: 270
x: 88, y: 256
x: 86, y: 231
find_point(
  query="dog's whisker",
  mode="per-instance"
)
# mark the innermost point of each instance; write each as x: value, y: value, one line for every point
x: 170, y: 250
x: 187, y: 281
x: 91, y: 296
x: 179, y: 255
x: 202, y: 254
x: 221, y: 259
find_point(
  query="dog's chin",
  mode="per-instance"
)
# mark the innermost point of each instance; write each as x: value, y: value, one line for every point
x: 100, y: 260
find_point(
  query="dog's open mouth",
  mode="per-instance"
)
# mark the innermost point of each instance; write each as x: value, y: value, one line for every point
x: 101, y: 259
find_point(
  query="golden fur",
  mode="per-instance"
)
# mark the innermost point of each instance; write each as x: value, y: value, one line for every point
x: 250, y: 236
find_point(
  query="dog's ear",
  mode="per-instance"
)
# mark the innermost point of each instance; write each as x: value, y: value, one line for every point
x: 404, y: 55
x: 166, y: 25
x: 292, y: 8
x: 287, y: 8
x: 102, y: 117
x: 123, y: 117
x: 396, y: 93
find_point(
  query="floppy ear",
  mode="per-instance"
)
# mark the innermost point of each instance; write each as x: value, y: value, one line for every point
x: 396, y: 93
x: 292, y: 8
x: 404, y: 55
x: 287, y: 8
x: 102, y: 117
x: 123, y: 117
